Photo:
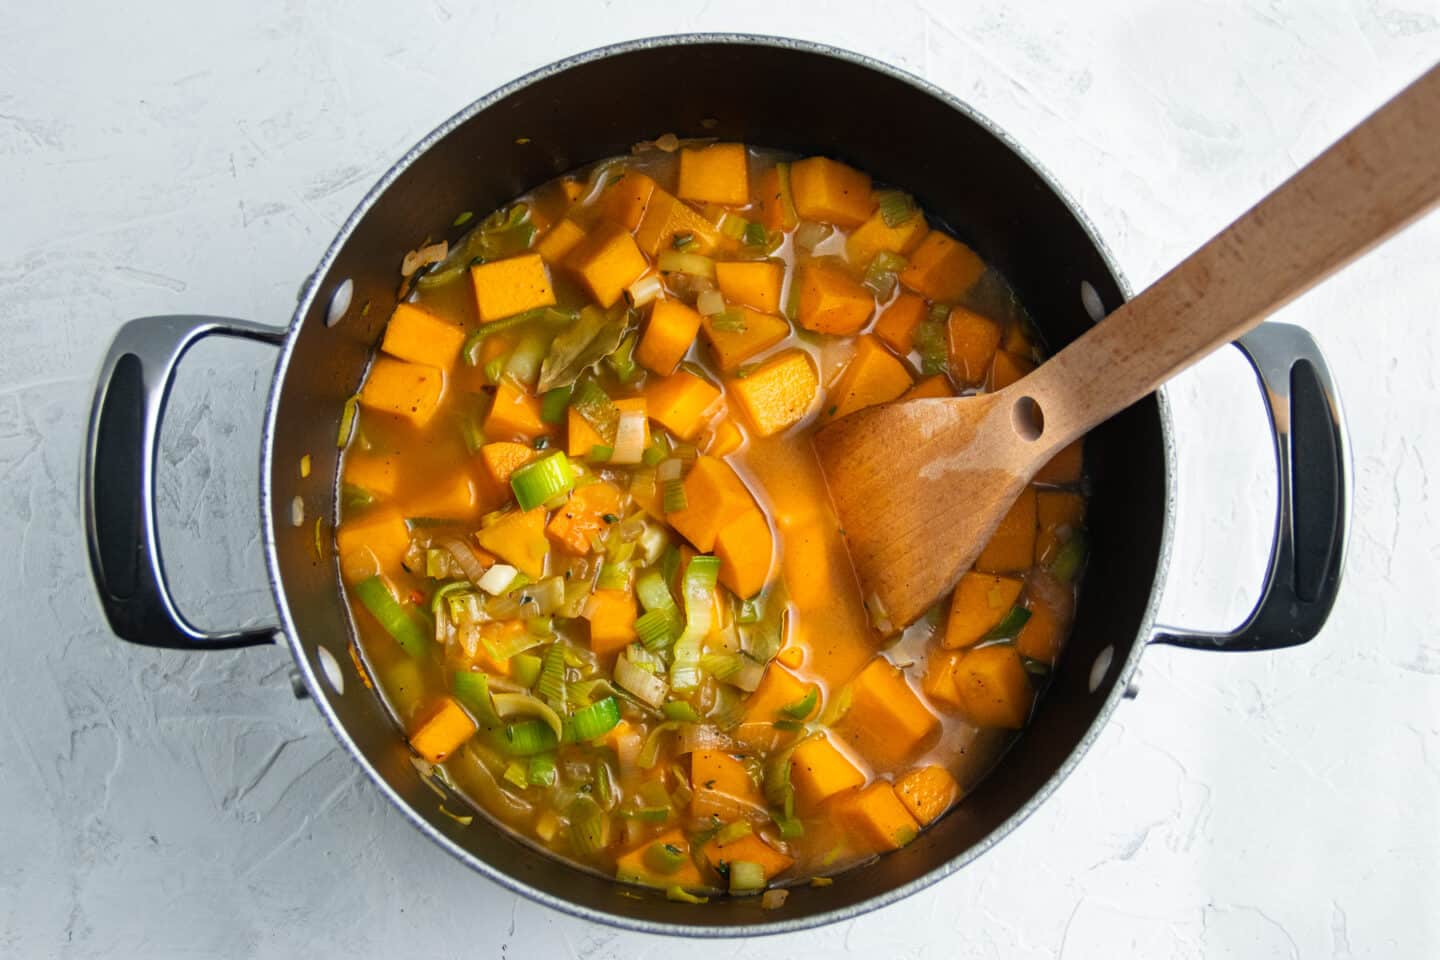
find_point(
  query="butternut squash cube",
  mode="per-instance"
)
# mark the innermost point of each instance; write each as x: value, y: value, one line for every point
x: 872, y: 376
x: 581, y: 438
x: 506, y: 287
x: 1060, y: 515
x: 624, y: 199
x: 936, y: 387
x: 806, y: 560
x: 876, y: 818
x: 898, y: 322
x: 972, y: 343
x: 746, y: 550
x: 455, y: 496
x: 779, y: 393
x: 671, y: 330
x: 421, y: 337
x: 779, y: 688
x: 714, y: 498
x: 1007, y: 368
x: 725, y: 439
x: 887, y: 723
x: 1012, y: 546
x: 775, y: 214
x: 445, y: 727
x: 748, y: 848
x: 1052, y: 607
x: 875, y: 235
x: 409, y: 390
x: 831, y: 301
x: 502, y: 459
x: 994, y: 688
x: 514, y: 414
x: 720, y: 782
x: 1065, y: 467
x: 557, y: 243
x: 927, y: 792
x: 717, y: 173
x: 830, y: 192
x: 755, y: 283
x: 518, y: 539
x: 939, y: 682
x: 612, y: 620
x: 979, y: 604
x: 380, y: 530
x: 375, y: 473
x: 634, y: 867
x: 577, y: 525
x: 607, y: 261
x: 758, y: 333
x: 667, y: 217
x: 819, y: 771
x: 942, y: 268
x: 681, y: 403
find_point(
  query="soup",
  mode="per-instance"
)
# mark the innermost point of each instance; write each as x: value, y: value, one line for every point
x: 591, y: 559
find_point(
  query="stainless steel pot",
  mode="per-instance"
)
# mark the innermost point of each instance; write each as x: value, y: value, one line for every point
x: 779, y: 93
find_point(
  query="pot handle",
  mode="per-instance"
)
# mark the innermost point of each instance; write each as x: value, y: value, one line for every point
x: 119, y: 480
x: 1312, y: 520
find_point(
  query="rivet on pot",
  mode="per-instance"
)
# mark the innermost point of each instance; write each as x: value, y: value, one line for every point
x: 339, y: 303
x: 1101, y: 666
x: 330, y: 667
x: 1090, y: 300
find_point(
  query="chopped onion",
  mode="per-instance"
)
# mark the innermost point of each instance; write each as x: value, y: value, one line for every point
x: 549, y: 595
x: 702, y: 736
x: 469, y: 563
x: 747, y: 678
x: 425, y: 256
x: 646, y: 686
x: 710, y: 302
x: 810, y: 235
x: 668, y: 470
x: 496, y: 579
x: 649, y: 287
x: 629, y: 437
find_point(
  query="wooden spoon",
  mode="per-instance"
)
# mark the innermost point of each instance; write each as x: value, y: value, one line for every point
x: 920, y: 486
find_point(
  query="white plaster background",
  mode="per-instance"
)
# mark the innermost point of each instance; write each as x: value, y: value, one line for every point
x: 160, y: 156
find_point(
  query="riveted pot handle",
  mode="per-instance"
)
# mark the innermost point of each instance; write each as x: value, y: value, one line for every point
x: 119, y: 480
x: 1312, y: 519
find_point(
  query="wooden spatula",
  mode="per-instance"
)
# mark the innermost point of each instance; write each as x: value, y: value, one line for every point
x: 920, y: 486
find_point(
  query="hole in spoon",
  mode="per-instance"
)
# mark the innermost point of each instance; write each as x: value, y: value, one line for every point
x: 1027, y: 418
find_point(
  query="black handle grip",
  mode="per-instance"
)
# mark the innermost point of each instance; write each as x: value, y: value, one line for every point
x: 1312, y: 519
x: 119, y: 480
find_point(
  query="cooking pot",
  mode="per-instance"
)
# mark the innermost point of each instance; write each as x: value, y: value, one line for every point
x: 781, y: 93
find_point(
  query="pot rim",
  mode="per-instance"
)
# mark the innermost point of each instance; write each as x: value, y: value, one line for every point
x: 318, y: 695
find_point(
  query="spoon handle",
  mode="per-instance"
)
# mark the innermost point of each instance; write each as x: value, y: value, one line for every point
x: 1382, y: 175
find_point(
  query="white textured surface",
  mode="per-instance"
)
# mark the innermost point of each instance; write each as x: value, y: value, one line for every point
x: 165, y: 157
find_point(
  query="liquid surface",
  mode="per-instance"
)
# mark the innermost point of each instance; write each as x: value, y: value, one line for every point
x: 657, y: 664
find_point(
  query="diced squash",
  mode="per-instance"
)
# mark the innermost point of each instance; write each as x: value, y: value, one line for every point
x: 666, y: 217
x: 1064, y: 467
x: 779, y: 393
x: 725, y: 439
x: 376, y: 473
x: 875, y: 235
x: 1052, y: 607
x: 927, y: 792
x: 936, y: 387
x: 733, y: 347
x: 607, y: 261
x: 748, y: 848
x: 409, y: 390
x: 872, y: 376
x: 668, y: 335
x: 994, y: 688
x: 979, y: 604
x: 581, y: 438
x: 443, y: 730
x: 719, y: 781
x: 942, y: 268
x: 779, y: 688
x: 972, y: 343
x: 381, y: 531
x: 876, y: 818
x: 1007, y: 368
x: 612, y: 620
x: 1059, y: 514
x: 1012, y: 546
x: 898, y: 322
x: 506, y: 287
x: 830, y: 192
x: 579, y: 523
x: 556, y: 245
x: 805, y: 560
x: 681, y: 403
x: 634, y: 867
x: 819, y: 771
x: 572, y: 188
x: 502, y: 458
x: 831, y: 301
x: 714, y: 498
x: 755, y: 283
x: 939, y: 683
x: 625, y: 198
x: 746, y: 550
x: 518, y: 539
x: 421, y: 337
x: 887, y: 723
x: 499, y: 633
x: 455, y: 496
x: 717, y: 173
x: 774, y: 213
x: 514, y: 414
x: 792, y: 656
